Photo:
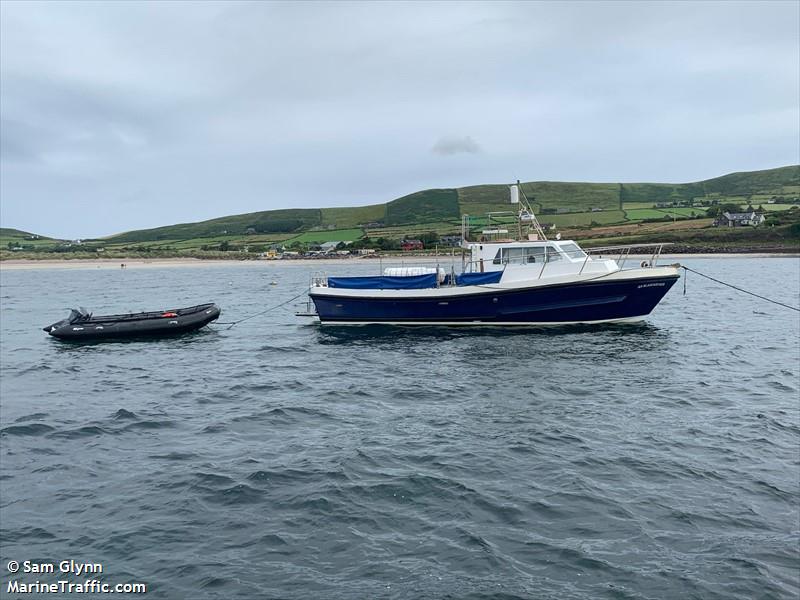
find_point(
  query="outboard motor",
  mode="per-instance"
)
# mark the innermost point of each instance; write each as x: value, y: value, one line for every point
x: 76, y: 315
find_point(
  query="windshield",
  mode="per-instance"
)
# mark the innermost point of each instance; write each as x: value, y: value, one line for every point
x: 572, y: 250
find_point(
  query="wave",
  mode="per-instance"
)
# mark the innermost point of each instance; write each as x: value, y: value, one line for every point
x: 80, y: 432
x: 32, y: 429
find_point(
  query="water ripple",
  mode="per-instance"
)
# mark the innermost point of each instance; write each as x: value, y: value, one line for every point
x: 286, y: 461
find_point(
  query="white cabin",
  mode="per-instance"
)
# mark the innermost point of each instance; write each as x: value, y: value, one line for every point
x: 542, y: 258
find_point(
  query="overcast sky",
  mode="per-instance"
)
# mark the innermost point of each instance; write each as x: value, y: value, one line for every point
x: 119, y: 116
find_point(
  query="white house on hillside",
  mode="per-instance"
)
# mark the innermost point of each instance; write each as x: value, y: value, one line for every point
x: 745, y: 219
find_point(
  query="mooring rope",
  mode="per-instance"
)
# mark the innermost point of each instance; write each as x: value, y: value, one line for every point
x: 258, y: 314
x: 738, y: 289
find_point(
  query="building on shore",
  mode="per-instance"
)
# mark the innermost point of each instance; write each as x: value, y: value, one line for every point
x: 411, y: 245
x: 745, y: 219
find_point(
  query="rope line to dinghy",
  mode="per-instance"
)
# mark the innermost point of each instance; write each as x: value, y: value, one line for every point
x: 258, y: 314
x: 738, y: 289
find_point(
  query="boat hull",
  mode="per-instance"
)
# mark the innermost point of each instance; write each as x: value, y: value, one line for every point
x: 592, y: 301
x: 142, y: 325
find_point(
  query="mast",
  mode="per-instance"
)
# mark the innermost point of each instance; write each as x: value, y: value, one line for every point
x: 527, y: 222
x: 525, y: 215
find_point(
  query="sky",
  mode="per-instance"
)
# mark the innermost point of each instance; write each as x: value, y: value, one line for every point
x: 117, y: 116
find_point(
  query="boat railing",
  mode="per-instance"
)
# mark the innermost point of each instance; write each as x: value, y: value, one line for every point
x: 318, y: 279
x: 650, y: 252
x: 528, y: 256
x: 546, y: 255
x: 539, y: 256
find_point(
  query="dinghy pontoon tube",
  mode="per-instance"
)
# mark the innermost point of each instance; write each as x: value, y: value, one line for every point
x: 82, y: 325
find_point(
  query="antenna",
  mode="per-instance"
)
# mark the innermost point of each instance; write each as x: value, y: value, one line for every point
x: 526, y: 215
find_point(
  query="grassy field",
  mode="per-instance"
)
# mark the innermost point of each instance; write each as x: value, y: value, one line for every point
x: 15, y: 237
x: 412, y: 231
x: 660, y: 192
x: 479, y: 210
x: 197, y: 243
x: 491, y: 220
x: 334, y: 235
x: 273, y: 221
x: 493, y: 195
x: 783, y: 198
x: 716, y: 239
x: 156, y: 244
x: 423, y: 207
x: 641, y: 214
x: 349, y: 217
x: 636, y: 205
x: 639, y: 228
x: 585, y: 218
x: 740, y: 188
x: 778, y: 207
x: 577, y: 197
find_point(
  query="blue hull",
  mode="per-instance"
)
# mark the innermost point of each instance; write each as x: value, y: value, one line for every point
x: 564, y: 303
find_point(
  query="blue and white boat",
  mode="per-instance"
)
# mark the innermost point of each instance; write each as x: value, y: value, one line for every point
x: 527, y: 281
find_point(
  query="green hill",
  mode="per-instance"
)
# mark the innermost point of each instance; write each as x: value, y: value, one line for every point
x: 755, y: 186
x: 15, y: 238
x: 550, y: 195
x: 564, y: 204
x: 752, y: 186
x: 270, y: 221
x: 8, y: 233
x: 423, y: 207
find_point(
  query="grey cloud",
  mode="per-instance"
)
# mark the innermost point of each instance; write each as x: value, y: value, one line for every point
x: 449, y: 145
x: 194, y: 110
x: 18, y: 142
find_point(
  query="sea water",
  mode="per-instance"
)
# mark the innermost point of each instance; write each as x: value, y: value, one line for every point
x: 278, y: 459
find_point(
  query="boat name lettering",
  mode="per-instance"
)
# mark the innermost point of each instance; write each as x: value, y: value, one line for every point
x: 644, y: 285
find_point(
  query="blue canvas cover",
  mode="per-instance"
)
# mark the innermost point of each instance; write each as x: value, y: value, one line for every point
x: 415, y: 282
x: 479, y: 278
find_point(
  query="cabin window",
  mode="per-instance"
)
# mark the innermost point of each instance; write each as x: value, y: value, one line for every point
x: 508, y: 255
x: 520, y: 255
x: 573, y: 251
x: 513, y: 255
x: 553, y: 254
x: 534, y: 255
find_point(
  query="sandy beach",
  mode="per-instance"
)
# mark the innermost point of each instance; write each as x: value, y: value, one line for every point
x: 160, y: 263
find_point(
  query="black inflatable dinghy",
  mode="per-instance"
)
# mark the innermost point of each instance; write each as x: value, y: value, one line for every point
x: 81, y: 325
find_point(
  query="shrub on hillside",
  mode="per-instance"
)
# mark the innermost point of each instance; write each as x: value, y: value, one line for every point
x: 716, y: 211
x: 269, y: 225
